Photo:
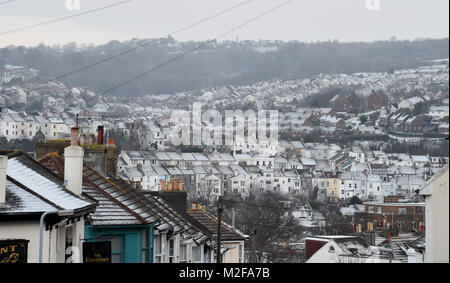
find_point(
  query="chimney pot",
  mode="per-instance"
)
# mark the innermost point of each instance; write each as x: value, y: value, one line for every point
x: 91, y: 139
x: 100, y: 135
x: 175, y: 184
x: 74, y: 136
x: 83, y: 139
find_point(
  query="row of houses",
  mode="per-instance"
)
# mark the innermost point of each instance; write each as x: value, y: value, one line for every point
x: 9, y: 72
x: 16, y: 126
x: 402, y: 122
x: 366, y: 175
x: 81, y: 209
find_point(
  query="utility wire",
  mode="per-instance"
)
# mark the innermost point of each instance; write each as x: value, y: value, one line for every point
x: 195, y: 49
x: 65, y: 18
x: 147, y: 43
x: 6, y: 2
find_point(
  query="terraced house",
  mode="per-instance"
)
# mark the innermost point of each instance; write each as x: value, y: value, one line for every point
x: 140, y: 227
x: 39, y: 213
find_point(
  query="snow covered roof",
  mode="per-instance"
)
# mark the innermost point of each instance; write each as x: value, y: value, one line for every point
x: 420, y: 158
x: 37, y: 179
x: 19, y: 200
x: 308, y: 161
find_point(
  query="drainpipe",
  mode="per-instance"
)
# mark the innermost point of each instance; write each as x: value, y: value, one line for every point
x: 41, y: 235
x: 41, y: 226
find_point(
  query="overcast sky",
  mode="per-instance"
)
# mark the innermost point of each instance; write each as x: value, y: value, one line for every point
x: 304, y: 20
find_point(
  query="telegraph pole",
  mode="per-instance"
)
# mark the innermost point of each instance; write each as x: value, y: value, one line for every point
x: 219, y: 216
x: 253, y: 245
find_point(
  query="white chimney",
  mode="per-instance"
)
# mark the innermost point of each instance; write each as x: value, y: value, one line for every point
x: 3, y: 167
x: 73, y: 164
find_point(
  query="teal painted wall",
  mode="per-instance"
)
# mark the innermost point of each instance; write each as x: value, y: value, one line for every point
x: 132, y: 248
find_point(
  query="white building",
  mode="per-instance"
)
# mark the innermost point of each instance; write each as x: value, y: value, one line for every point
x: 374, y: 188
x: 343, y: 249
x: 436, y: 192
x: 210, y: 187
x: 28, y: 192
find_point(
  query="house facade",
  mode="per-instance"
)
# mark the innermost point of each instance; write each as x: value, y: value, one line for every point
x: 436, y: 192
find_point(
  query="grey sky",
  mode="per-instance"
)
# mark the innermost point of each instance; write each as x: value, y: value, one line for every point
x: 305, y: 20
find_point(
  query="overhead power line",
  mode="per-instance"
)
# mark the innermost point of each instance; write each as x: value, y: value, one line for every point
x: 6, y: 2
x: 196, y: 48
x: 65, y: 18
x: 147, y: 43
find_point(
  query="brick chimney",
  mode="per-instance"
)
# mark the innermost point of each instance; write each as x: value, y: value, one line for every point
x: 172, y: 192
x: 73, y: 164
x: 3, y: 169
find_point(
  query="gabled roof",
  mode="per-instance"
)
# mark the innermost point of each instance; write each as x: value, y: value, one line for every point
x: 109, y: 211
x: 38, y: 180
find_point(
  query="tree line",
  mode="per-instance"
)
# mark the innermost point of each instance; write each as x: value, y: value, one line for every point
x: 216, y: 65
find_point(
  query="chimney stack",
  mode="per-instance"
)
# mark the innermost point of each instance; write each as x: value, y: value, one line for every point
x: 83, y: 139
x: 176, y: 199
x: 73, y: 164
x: 100, y: 135
x: 3, y: 170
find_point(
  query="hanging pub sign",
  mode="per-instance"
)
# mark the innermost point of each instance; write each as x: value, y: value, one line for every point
x: 14, y: 251
x: 97, y: 252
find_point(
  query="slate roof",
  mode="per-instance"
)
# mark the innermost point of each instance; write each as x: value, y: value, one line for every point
x: 120, y: 204
x: 31, y: 190
x: 21, y: 201
x: 108, y: 212
x: 208, y: 220
x: 42, y: 182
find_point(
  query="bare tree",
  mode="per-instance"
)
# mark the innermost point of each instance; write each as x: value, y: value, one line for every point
x: 270, y: 225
